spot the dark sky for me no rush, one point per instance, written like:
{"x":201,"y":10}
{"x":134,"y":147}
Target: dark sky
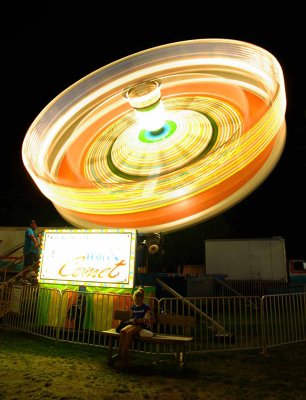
{"x":47,"y":48}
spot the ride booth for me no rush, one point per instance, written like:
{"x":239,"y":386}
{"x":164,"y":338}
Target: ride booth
{"x":84,"y":275}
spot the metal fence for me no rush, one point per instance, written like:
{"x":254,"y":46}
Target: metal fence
{"x":223,"y":323}
{"x":230,"y":287}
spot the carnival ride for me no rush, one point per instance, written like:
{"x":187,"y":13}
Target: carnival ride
{"x":162,"y":139}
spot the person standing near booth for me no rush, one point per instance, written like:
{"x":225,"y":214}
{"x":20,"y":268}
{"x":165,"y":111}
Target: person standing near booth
{"x":31,"y":245}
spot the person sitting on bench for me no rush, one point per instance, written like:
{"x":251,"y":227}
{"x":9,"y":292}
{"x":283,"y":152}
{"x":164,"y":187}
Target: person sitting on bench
{"x":141,"y":318}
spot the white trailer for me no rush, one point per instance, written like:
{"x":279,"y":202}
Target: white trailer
{"x":247,"y":259}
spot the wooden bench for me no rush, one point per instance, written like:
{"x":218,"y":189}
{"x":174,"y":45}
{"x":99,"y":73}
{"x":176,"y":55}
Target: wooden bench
{"x":164,"y":321}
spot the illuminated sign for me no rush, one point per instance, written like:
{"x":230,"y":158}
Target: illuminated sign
{"x":104,"y":257}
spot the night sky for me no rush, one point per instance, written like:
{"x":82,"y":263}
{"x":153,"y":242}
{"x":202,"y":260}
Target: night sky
{"x":46,"y":49}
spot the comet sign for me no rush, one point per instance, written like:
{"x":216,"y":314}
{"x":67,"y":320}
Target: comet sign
{"x":104,"y":257}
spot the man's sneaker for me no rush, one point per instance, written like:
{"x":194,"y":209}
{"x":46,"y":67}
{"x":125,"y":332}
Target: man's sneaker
{"x":31,"y":274}
{"x":24,"y":282}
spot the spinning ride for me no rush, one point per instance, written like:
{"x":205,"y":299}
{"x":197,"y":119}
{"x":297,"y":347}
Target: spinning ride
{"x":162,"y":139}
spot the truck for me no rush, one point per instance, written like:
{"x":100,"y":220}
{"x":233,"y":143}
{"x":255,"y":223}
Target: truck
{"x":247,"y":259}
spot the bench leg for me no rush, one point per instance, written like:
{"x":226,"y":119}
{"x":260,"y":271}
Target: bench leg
{"x":157,"y":354}
{"x":110,"y":351}
{"x":181,"y":355}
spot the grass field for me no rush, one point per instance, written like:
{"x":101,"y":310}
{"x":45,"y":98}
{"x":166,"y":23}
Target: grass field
{"x":36,"y":368}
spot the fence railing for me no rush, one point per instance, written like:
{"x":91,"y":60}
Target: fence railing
{"x":259,"y":288}
{"x":223,"y":323}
